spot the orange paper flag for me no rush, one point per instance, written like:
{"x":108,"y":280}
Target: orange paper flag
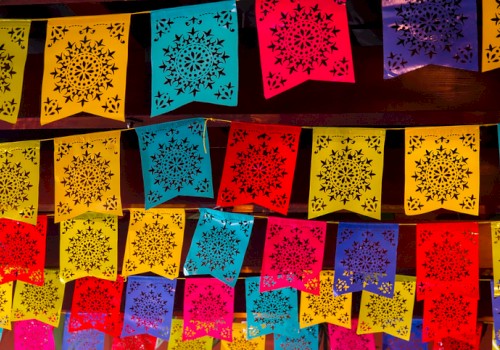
{"x":85,"y":67}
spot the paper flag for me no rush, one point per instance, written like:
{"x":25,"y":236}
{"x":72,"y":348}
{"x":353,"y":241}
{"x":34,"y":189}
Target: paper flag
{"x":19,"y":177}
{"x":33,"y":335}
{"x":442,"y":169}
{"x":448,"y":313}
{"x":176,"y":342}
{"x":85,"y":339}
{"x":346,"y":171}
{"x":495,"y":248}
{"x":391,"y":315}
{"x":22,"y":250}
{"x":342,"y":338}
{"x":96,"y":305}
{"x":175,"y":159}
{"x":293,"y":254}
{"x":495,"y":302}
{"x":303,"y":40}
{"x":208,"y":309}
{"x":139,"y":342}
{"x":240,"y":340}
{"x":301,"y":338}
{"x":421,"y":32}
{"x":154,"y":242}
{"x":89,"y":247}
{"x":454,"y":344}
{"x":5,"y":306}
{"x":41,"y":303}
{"x":87,"y":175}
{"x":219,"y":245}
{"x":13,"y":53}
{"x":85,"y":67}
{"x":365,"y":258}
{"x":491,"y":40}
{"x":259,"y":166}
{"x":325,"y":307}
{"x":194,"y":56}
{"x":415,"y":343}
{"x":270,"y":312}
{"x":149,"y":305}
{"x":448,"y":256}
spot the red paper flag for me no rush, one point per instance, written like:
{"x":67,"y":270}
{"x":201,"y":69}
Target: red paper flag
{"x":293,"y":254}
{"x":448,"y":254}
{"x":302,"y":40}
{"x":134,"y":342}
{"x":22,"y":251}
{"x":96,"y":305}
{"x":259,"y":166}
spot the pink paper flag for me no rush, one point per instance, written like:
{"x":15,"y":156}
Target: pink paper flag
{"x":33,"y":335}
{"x":293,"y":254}
{"x":303,"y":40}
{"x":342,"y":338}
{"x":208,"y":309}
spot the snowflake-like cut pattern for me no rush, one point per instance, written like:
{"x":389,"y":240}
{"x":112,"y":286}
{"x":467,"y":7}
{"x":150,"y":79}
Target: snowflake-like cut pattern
{"x":141,"y":342}
{"x":84,"y":71}
{"x":304,"y":39}
{"x":390,"y":342}
{"x":325,"y":307}
{"x":344,"y":338}
{"x":302,"y":338}
{"x":33,"y":335}
{"x":219,"y":245}
{"x":367,"y":259}
{"x":177,"y":343}
{"x":429,"y":27}
{"x":149,"y":306}
{"x":269,"y":312}
{"x":7,"y":72}
{"x":293,"y":254}
{"x":208,"y":309}
{"x":15,"y":184}
{"x":449,"y":314}
{"x":442,"y":174}
{"x":447,"y":254}
{"x":240,"y":341}
{"x":154,"y":244}
{"x":84,"y":339}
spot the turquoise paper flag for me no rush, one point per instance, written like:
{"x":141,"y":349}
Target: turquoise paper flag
{"x":175,"y":161}
{"x":194,"y":56}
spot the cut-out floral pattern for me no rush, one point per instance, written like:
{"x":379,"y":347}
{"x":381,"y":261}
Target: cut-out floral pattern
{"x":84,"y":339}
{"x":240,"y":340}
{"x":344,"y":338}
{"x":33,"y":335}
{"x":177,"y":343}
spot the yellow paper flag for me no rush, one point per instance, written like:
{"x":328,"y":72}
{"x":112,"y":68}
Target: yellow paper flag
{"x":89,"y":247}
{"x":87,"y":175}
{"x":495,"y":247}
{"x":325,"y":307}
{"x":154,"y":242}
{"x":491,"y":40}
{"x":240,"y":341}
{"x":5,"y":304}
{"x":13,"y":53}
{"x":176,"y":343}
{"x":346,"y":171}
{"x":389,"y":315}
{"x":42,"y":303}
{"x":19,"y":180}
{"x":85,"y":67}
{"x":442,"y":169}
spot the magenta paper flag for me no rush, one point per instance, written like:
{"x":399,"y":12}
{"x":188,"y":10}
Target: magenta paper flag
{"x":208,"y":309}
{"x":342,"y":338}
{"x":302,"y":40}
{"x":33,"y":335}
{"x":293,"y":254}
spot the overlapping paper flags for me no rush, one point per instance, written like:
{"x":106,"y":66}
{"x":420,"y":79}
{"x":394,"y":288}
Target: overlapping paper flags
{"x":194,"y":52}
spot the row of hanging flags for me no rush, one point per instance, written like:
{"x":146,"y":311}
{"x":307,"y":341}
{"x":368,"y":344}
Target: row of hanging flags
{"x":194,"y":51}
{"x":447,"y":279}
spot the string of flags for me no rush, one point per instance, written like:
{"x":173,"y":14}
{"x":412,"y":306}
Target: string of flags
{"x":194,"y":52}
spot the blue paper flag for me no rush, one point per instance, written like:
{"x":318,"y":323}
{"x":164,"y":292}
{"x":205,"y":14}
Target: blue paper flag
{"x":495,"y":302}
{"x":275,"y":311}
{"x":366,"y":258}
{"x":219,"y":245}
{"x":302,"y":338}
{"x":175,"y":160}
{"x":149,"y":305}
{"x":421,"y":32}
{"x":194,"y":56}
{"x":84,"y":339}
{"x":390,"y":342}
